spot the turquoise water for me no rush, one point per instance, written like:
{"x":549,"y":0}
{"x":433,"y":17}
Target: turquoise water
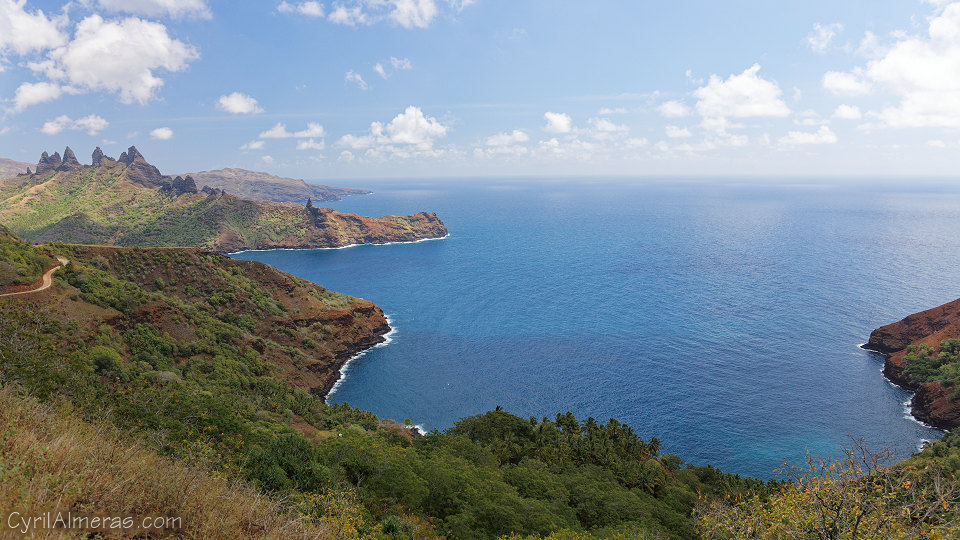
{"x":722,"y":317}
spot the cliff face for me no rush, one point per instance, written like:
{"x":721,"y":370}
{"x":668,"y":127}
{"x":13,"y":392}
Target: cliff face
{"x":128,"y":201}
{"x":932,"y":403}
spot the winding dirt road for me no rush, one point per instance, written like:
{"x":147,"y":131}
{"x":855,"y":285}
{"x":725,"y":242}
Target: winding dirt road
{"x":47,"y":279}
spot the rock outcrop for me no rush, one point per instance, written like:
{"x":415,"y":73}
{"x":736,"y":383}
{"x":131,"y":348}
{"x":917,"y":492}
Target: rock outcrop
{"x":48,"y":163}
{"x":69,"y":162}
{"x":179,"y":186}
{"x":933,"y":402}
{"x":139,"y":171}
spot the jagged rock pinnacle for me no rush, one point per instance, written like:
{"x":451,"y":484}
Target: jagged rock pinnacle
{"x":97,"y":156}
{"x":69,"y":161}
{"x":48,"y":163}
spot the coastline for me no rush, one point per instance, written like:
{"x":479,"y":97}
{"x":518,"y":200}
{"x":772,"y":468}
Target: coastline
{"x":382,"y":341}
{"x":338,"y":247}
{"x":908,"y":404}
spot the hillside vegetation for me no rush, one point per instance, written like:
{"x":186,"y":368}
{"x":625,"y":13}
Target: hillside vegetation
{"x":129,"y":202}
{"x":20,"y":263}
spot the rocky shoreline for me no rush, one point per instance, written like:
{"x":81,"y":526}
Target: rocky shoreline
{"x":932,"y":403}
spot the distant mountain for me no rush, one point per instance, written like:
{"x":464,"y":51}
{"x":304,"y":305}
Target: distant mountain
{"x":127,"y":201}
{"x":9,"y":167}
{"x":263,"y":186}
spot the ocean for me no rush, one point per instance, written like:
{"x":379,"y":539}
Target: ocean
{"x":722,"y":316}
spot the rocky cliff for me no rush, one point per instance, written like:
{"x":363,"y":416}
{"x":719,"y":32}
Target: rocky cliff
{"x":934,"y":402}
{"x":9,"y":167}
{"x":128,"y":201}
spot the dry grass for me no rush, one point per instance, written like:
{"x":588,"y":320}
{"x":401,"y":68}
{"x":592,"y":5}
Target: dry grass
{"x":50,"y":461}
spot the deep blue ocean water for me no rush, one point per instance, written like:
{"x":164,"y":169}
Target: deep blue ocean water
{"x":720,"y":316}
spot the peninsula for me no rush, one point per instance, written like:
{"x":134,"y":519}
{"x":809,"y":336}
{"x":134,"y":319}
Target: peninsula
{"x":922,"y":355}
{"x":128,"y":202}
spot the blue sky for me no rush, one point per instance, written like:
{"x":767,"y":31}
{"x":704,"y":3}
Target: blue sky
{"x":408,"y":88}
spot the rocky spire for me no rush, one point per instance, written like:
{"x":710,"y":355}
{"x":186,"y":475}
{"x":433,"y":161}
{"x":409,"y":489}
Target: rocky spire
{"x":97,"y":156}
{"x":48,"y":163}
{"x":138,"y":170}
{"x":69,"y":161}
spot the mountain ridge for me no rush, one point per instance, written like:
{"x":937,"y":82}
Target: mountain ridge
{"x":258,"y":185}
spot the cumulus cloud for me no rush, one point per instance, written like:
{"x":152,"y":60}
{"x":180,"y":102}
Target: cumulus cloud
{"x":557,"y":122}
{"x":606,"y":126}
{"x":310,"y":144}
{"x":238,"y":103}
{"x":355,"y":78}
{"x":28,"y":94}
{"x":348,"y":16}
{"x":936,"y":143}
{"x":24,"y":32}
{"x":847,"y":112}
{"x":279,"y":131}
{"x":136,"y":50}
{"x":848,"y":84}
{"x":413,"y":13}
{"x":310,"y":9}
{"x":505,"y":139}
{"x":740,"y":96}
{"x":821,"y":36}
{"x":267,"y":159}
{"x":92,"y":124}
{"x":824,"y":135}
{"x":410,"y":133}
{"x":677,"y":132}
{"x":253,"y":145}
{"x":924,"y":72}
{"x":673,"y":109}
{"x":161,"y":134}
{"x":158,"y":8}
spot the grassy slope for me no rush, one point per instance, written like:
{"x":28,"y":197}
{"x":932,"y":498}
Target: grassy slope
{"x":102,"y":205}
{"x":51,"y":460}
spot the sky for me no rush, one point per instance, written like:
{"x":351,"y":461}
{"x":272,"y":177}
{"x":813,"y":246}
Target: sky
{"x":347,"y":89}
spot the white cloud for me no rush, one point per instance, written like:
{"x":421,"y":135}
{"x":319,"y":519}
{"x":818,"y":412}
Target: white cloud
{"x":410,"y":133}
{"x":848,"y":112}
{"x":636,"y":142}
{"x":253,"y":145}
{"x":310,"y":144}
{"x":924,"y":71}
{"x":821,"y":36}
{"x":23,"y":32}
{"x":354,"y":77}
{"x":413,"y":13}
{"x":937,"y":143}
{"x":740,"y":96}
{"x":158,"y":8}
{"x":117,"y":56}
{"x":676,"y":132}
{"x":824,"y":135}
{"x":606,"y":126}
{"x":606,"y":111}
{"x":267,"y":159}
{"x":28,"y":94}
{"x":310,"y":9}
{"x":279,"y":131}
{"x":161,"y":134}
{"x":378,"y":67}
{"x":506,"y":139}
{"x":92,"y":124}
{"x":400,"y":63}
{"x":557,"y":123}
{"x":673,"y":109}
{"x":849,"y":84}
{"x":238,"y":103}
{"x":347,"y":16}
